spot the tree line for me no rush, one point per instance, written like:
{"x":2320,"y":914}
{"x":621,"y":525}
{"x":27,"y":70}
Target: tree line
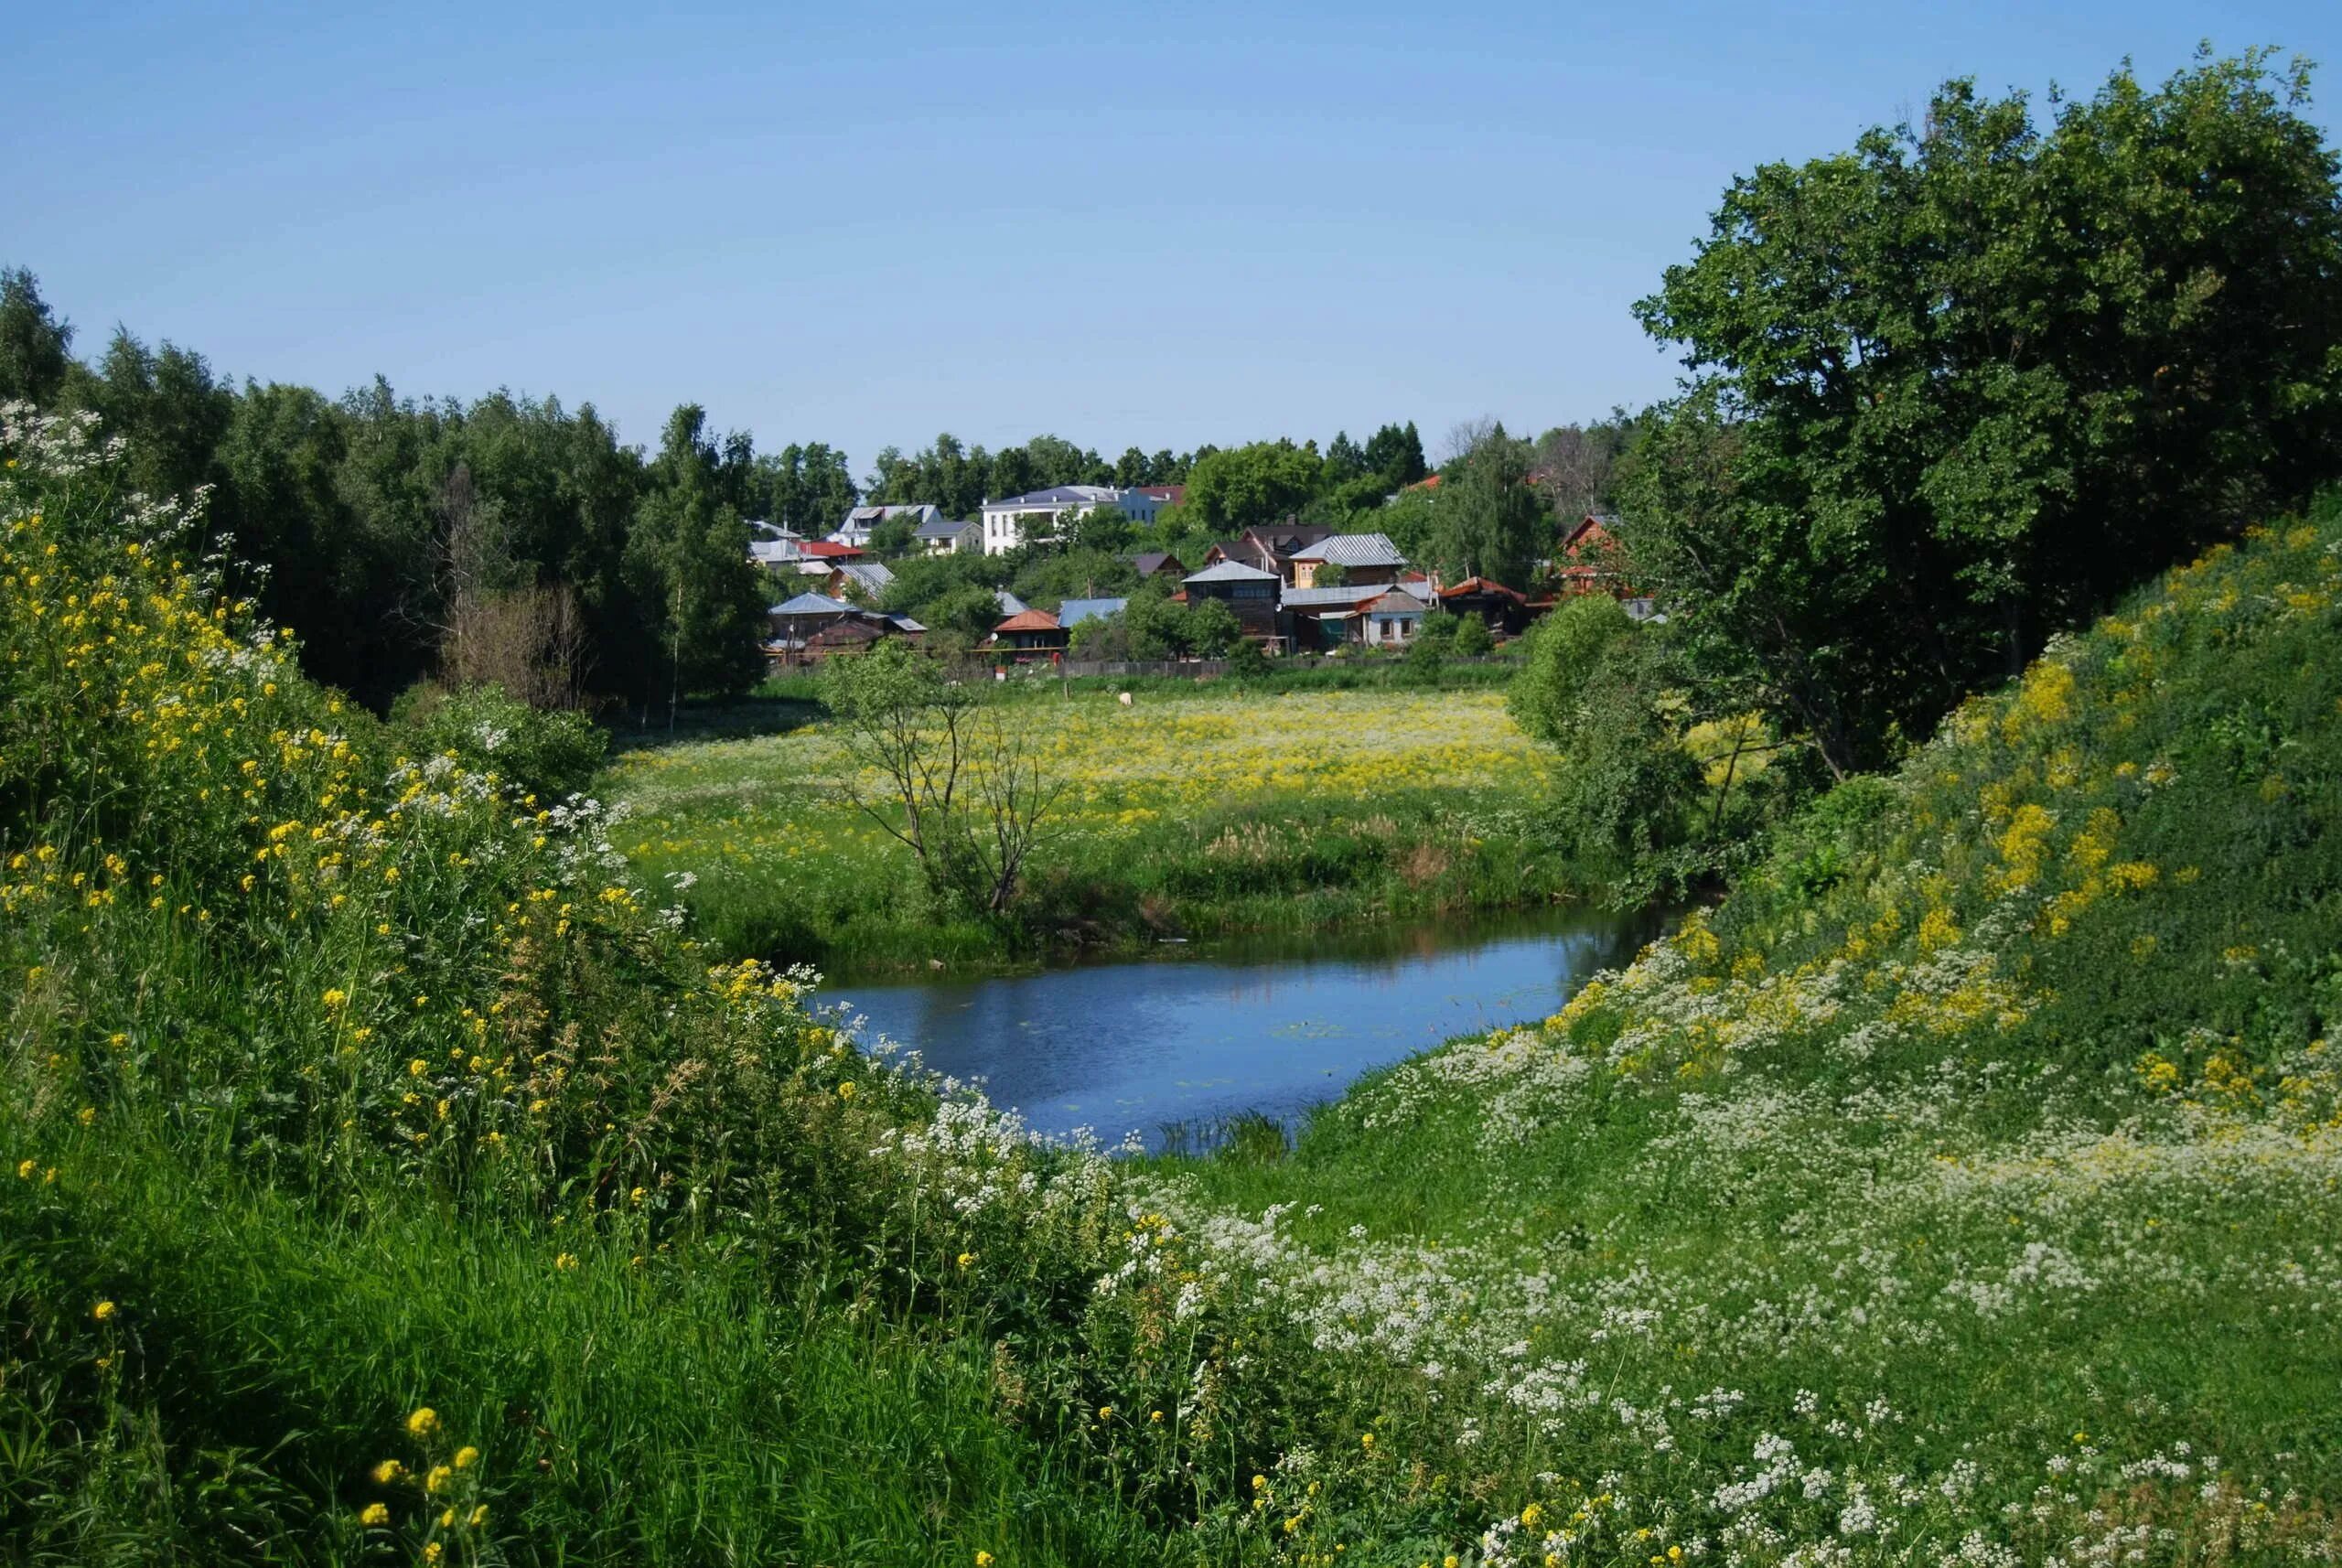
{"x":518,"y":541}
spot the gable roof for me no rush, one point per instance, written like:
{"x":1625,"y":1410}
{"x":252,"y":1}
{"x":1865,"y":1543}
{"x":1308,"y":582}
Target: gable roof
{"x":1398,"y":602}
{"x":1150,"y":562}
{"x":1353,"y":550}
{"x":1348,"y":594}
{"x":1028,"y":620}
{"x":811,"y":605}
{"x":869,"y":514}
{"x":942,"y":527}
{"x":1073,"y":612}
{"x":1482,"y":586}
{"x":1010,"y":605}
{"x":1231,"y":572}
{"x":827,"y":550}
{"x":871,"y":575}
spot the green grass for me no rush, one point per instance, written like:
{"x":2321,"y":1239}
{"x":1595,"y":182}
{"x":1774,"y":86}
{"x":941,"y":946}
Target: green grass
{"x":1911,"y":1205}
{"x":1213,"y":814}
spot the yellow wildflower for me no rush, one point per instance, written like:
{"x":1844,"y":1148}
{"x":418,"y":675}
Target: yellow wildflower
{"x":374,"y":1514}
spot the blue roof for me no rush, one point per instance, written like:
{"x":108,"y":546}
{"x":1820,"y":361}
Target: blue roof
{"x":1073,"y":612}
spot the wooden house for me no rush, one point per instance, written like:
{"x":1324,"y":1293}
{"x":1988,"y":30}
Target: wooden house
{"x":1029,"y":634}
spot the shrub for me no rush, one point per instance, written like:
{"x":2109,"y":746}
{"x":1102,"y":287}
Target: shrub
{"x":552,"y":754}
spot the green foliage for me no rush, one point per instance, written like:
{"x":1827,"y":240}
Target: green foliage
{"x":1472,"y":638}
{"x":1563,"y":652}
{"x":551,"y":755}
{"x":1961,"y":385}
{"x":35,"y":348}
{"x":687,"y":560}
{"x":1490,"y":521}
{"x":1246,"y":485}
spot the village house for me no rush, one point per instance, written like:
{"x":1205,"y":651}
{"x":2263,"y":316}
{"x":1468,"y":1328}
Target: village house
{"x":1248,"y":591}
{"x":1029,"y":634}
{"x":1393,"y":619}
{"x":1362,"y":558}
{"x":1326,"y":618}
{"x":943,"y":536}
{"x":814,"y":626}
{"x":773,"y":547}
{"x":862,"y":579}
{"x":861,"y":520}
{"x":1269,"y":549}
{"x":1505,"y":611}
{"x":1155,"y":563}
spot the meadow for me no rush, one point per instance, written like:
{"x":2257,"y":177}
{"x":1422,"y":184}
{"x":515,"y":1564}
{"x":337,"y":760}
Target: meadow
{"x":1186,"y":815}
{"x":388,"y":1176}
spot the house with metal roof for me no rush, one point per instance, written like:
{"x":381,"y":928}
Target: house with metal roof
{"x":1248,"y":591}
{"x":1271,"y":549}
{"x":1362,"y":558}
{"x":1073,"y":612}
{"x":944,"y":536}
{"x":860,"y":520}
{"x":1030,"y":632}
{"x":867,"y":578}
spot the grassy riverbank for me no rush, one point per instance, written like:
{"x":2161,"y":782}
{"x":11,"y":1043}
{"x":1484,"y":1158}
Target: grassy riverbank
{"x":1212,"y":812}
{"x":385,"y":1178}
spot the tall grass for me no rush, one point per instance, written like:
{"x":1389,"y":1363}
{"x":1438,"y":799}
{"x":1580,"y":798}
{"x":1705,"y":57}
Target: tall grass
{"x":384,"y":1178}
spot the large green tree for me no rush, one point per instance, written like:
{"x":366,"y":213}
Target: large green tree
{"x":1956,"y":388}
{"x":35,"y":348}
{"x":1491,"y":520}
{"x":689,"y":558}
{"x":1246,"y":485}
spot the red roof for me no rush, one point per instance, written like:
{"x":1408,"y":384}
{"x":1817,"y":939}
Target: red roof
{"x":1482,"y":586}
{"x":1028,"y":620}
{"x":826,"y":551}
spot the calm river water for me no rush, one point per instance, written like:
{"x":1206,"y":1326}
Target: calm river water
{"x":1268,"y":1024}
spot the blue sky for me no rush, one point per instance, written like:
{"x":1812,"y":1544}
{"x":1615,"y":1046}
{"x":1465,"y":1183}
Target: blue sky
{"x":1161,"y":226}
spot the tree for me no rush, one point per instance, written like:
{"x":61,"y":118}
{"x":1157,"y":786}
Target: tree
{"x":1397,"y":454}
{"x":964,"y":793}
{"x":893,"y":535}
{"x":35,"y":348}
{"x":1491,"y":521}
{"x":1344,"y":460}
{"x":1959,"y":387}
{"x":1248,"y":485}
{"x":1560,"y":655}
{"x":1103,"y":528}
{"x":1473,"y":638}
{"x":689,"y":555}
{"x":1213,"y":629}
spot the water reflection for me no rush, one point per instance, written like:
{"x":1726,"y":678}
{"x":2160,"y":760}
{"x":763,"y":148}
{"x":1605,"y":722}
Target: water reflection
{"x":1273,"y":1024}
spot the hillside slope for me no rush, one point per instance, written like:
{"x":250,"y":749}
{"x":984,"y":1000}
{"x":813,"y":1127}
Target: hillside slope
{"x":1962,"y":1188}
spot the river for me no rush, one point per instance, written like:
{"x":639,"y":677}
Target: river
{"x":1272,"y":1025}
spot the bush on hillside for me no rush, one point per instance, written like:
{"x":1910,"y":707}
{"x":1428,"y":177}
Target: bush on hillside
{"x":552,"y":753}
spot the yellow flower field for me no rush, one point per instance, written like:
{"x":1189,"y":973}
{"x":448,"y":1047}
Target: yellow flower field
{"x":771,"y":813}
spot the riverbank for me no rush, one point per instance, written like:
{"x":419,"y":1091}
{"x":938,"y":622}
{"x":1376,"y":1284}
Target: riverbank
{"x":1198,"y":818}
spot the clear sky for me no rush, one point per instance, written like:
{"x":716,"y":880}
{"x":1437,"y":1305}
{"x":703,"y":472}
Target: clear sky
{"x":1158,"y":226}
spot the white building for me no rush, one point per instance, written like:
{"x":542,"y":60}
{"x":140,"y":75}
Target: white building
{"x":859,"y":522}
{"x":1005,"y":524}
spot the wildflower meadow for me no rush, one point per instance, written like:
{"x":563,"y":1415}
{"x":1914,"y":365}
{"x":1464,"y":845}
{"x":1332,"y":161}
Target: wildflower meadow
{"x":1187,"y":815}
{"x":392,"y":1172}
